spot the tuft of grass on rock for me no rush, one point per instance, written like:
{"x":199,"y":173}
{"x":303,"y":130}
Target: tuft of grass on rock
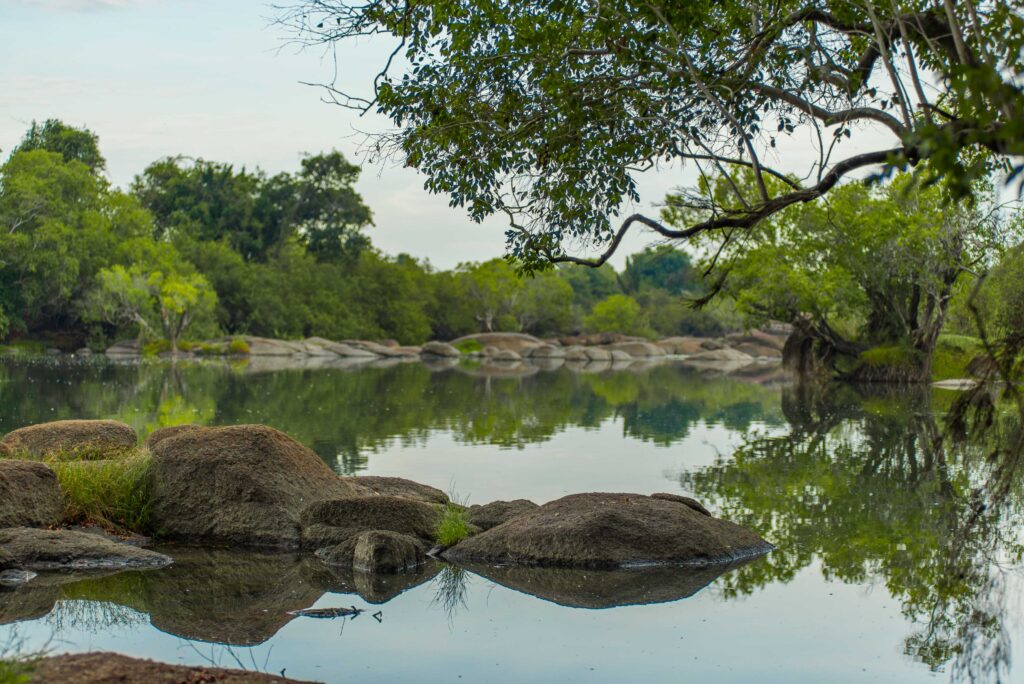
{"x":453,"y":527}
{"x":102,"y":487}
{"x":109,"y":493}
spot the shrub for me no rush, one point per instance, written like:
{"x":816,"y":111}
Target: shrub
{"x":894,"y":355}
{"x":952,"y":356}
{"x":469,"y":346}
{"x":156,"y":347}
{"x":617,"y":313}
{"x":238,"y":346}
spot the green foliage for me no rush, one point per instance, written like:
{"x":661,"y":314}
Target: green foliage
{"x":255,"y":214}
{"x":73,"y":144}
{"x":106,"y":487}
{"x":15,"y":671}
{"x":453,"y":527}
{"x":238,"y":346}
{"x":618,"y":313}
{"x":155,"y":302}
{"x":893,"y":355}
{"x":953,"y":354}
{"x":469,"y":346}
{"x":874,"y":265}
{"x":663,"y":267}
{"x":201,"y":250}
{"x":545,"y":112}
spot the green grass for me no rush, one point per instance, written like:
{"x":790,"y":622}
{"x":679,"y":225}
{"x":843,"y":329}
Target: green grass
{"x":894,"y":355}
{"x":15,"y":671}
{"x":15,"y":665}
{"x":23,"y":347}
{"x":111,"y":493}
{"x":952,"y":355}
{"x":469,"y":346}
{"x":453,"y":527}
{"x":107,"y":488}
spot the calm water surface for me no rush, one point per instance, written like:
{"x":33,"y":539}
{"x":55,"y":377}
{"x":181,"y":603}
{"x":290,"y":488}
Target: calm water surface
{"x":887,"y":569}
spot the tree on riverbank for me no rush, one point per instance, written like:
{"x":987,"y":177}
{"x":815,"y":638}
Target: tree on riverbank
{"x":866,"y":277}
{"x":544,"y":112}
{"x":201,"y":248}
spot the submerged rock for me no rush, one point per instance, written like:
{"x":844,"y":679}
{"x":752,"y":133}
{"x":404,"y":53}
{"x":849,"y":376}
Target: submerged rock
{"x":609,"y":531}
{"x":381,"y":551}
{"x":376,"y":551}
{"x":398,"y":486}
{"x":70,"y":435}
{"x":334,"y":521}
{"x":497,"y":512}
{"x":241,"y":485}
{"x":29,"y":496}
{"x":105,"y":668}
{"x":32,"y":549}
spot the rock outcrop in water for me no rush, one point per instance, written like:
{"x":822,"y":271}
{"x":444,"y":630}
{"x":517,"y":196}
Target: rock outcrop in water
{"x":335,"y":521}
{"x":35,"y":549}
{"x":497,"y":512}
{"x":254,"y":486}
{"x":29,"y":495}
{"x":376,"y":552}
{"x":71,"y":436}
{"x":502,"y":353}
{"x":610,"y":531}
{"x":241,"y":485}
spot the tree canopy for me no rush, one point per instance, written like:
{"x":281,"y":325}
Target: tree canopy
{"x":545,"y":111}
{"x":200,"y":248}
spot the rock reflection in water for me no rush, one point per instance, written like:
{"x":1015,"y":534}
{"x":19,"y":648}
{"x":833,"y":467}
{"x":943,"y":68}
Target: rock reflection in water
{"x":218,"y":596}
{"x":606,"y":588}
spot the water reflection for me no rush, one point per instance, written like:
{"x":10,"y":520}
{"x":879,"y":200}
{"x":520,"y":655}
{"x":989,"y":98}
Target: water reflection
{"x":865,"y":488}
{"x":244,"y":598}
{"x":868,"y":484}
{"x":346,"y":414}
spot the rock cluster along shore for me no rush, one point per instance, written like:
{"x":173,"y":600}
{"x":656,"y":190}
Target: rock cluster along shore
{"x":508,"y":350}
{"x":251,"y":486}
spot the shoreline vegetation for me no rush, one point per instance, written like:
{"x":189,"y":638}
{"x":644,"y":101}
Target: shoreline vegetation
{"x":203,"y":259}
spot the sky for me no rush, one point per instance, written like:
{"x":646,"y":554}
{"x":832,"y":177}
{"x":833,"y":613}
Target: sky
{"x":215,"y":79}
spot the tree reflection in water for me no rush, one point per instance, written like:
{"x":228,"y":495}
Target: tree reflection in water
{"x":870,"y":484}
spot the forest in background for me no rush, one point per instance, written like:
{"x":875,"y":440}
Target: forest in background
{"x":195,"y":249}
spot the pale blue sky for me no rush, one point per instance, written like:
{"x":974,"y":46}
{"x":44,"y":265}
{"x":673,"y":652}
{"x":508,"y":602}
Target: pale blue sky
{"x":215,"y":80}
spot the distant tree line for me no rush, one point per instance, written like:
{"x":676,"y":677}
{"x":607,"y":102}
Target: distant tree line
{"x":196,"y":249}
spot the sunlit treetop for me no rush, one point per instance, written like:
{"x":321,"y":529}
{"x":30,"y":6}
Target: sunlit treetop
{"x":545,"y":111}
